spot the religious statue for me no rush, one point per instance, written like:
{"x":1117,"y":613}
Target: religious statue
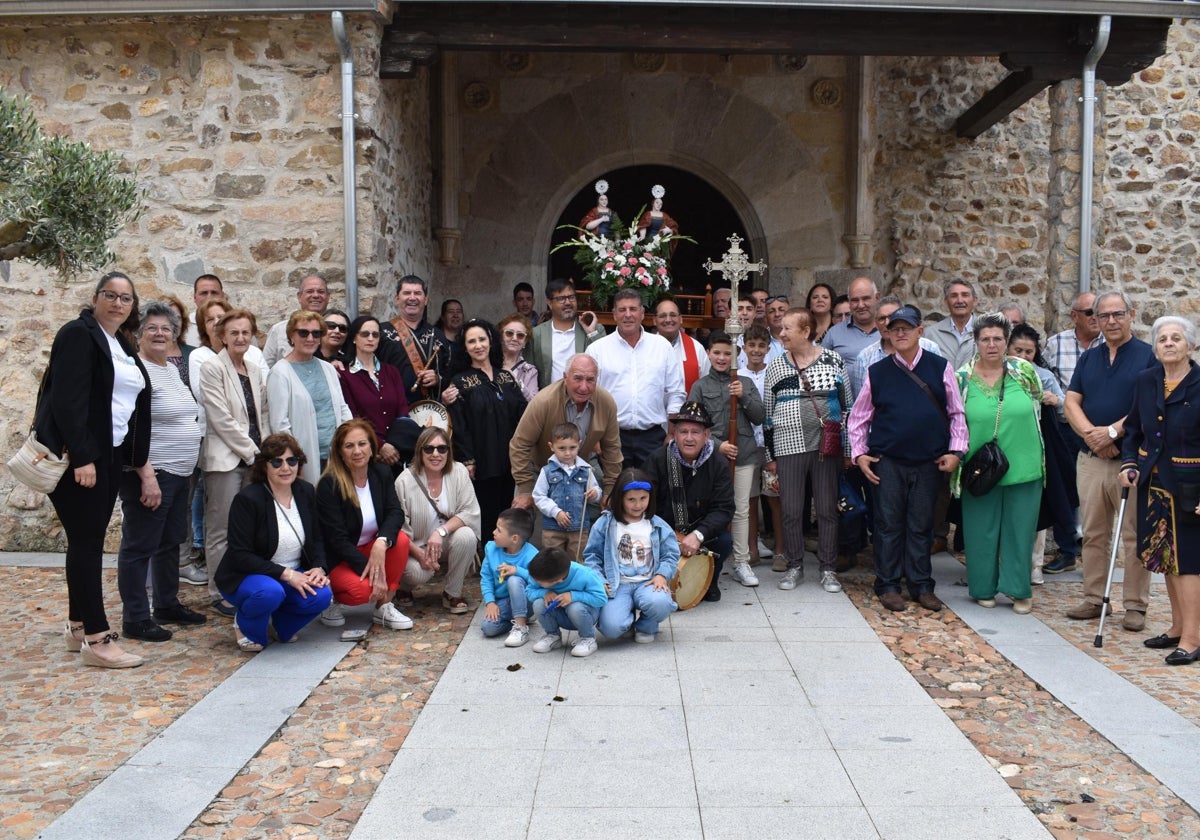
{"x":598,"y":220}
{"x":655,"y":221}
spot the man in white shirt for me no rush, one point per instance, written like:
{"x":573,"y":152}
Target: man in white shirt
{"x":312,"y":296}
{"x":644,"y":376}
{"x":955,"y":335}
{"x":205,"y":287}
{"x":693,"y":360}
{"x":554,"y":341}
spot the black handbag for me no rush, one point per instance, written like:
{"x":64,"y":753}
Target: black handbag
{"x":988,"y":465}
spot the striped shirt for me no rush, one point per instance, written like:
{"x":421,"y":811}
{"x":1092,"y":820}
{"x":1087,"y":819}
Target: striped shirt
{"x":1062,"y":354}
{"x":175,"y":430}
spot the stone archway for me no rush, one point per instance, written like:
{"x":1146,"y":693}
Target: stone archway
{"x":516,"y":185}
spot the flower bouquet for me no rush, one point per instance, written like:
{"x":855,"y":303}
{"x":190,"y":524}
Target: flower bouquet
{"x":626,"y":260}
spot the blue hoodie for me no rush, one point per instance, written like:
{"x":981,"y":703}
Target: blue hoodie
{"x":489,"y":574}
{"x":601,"y":551}
{"x":584,"y":585}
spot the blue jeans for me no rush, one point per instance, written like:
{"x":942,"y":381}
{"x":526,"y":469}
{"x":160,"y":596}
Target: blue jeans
{"x":515,"y":604}
{"x":151,"y":538}
{"x":261,"y":599}
{"x":617,"y":616}
{"x":574,"y":616}
{"x":904,"y":524}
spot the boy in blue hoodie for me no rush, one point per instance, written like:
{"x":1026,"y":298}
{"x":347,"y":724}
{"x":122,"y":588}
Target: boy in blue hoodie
{"x":565,"y":596}
{"x":506,"y":607}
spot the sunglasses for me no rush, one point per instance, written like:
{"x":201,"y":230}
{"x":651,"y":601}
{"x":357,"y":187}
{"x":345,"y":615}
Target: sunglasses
{"x":334,"y":326}
{"x":515,"y":334}
{"x":778,"y":299}
{"x":310,"y":333}
{"x":368,"y":333}
{"x":1087,"y":313}
{"x":439,"y":448}
{"x":292,"y":461}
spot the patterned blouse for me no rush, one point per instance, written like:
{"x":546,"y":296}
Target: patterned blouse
{"x":795,"y":413}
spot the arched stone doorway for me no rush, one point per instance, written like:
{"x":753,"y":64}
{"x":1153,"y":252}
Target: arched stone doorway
{"x":701,"y":210}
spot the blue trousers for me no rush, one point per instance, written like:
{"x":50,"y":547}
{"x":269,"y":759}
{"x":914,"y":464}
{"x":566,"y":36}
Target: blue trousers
{"x":574,"y":616}
{"x":151,"y":538}
{"x":263,"y":600}
{"x":650,"y":605}
{"x":515,"y":604}
{"x":904,"y":524}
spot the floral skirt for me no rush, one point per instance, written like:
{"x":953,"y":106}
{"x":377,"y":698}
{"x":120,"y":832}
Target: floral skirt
{"x":1167,"y":542}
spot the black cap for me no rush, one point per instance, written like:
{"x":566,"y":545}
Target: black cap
{"x":693,"y":412}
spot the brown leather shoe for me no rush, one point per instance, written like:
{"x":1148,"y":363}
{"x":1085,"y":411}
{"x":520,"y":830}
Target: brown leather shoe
{"x":893,"y":601}
{"x":939,"y":545}
{"x":1134,"y":620}
{"x":1084,"y":612}
{"x":930,"y":601}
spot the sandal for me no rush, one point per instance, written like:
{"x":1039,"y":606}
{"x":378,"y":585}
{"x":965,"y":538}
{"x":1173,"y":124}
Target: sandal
{"x":75,"y":642}
{"x":247,"y":645}
{"x":456,"y":604}
{"x":88,"y":655}
{"x":403,"y":598}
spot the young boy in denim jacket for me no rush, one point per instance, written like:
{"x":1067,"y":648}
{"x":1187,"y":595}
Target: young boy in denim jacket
{"x":564,"y":487}
{"x":506,"y":607}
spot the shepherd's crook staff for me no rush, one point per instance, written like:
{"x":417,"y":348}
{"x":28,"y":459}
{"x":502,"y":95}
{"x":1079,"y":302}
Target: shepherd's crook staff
{"x":734,"y":267}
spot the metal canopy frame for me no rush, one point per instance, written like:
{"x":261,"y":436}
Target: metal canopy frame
{"x":1133,"y":8}
{"x":121,"y":8}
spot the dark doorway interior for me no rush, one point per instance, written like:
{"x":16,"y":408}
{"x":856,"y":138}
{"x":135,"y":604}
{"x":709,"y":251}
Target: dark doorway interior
{"x":701,"y":212}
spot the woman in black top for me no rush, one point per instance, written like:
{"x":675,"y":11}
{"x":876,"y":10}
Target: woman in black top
{"x":96,"y":409}
{"x":485,"y":417}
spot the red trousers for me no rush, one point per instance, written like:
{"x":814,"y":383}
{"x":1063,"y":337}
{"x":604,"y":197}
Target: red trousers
{"x":352,"y":590}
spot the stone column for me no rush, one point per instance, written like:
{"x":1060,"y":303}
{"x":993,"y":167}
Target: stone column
{"x":448,"y":232}
{"x":858,"y":163}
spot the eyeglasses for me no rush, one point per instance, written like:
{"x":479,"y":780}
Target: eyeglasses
{"x":113,"y":297}
{"x":563,"y":298}
{"x":1087,"y":313}
{"x":439,"y":448}
{"x":291,"y":460}
{"x":334,"y":326}
{"x":1112,"y":316}
{"x":901,"y":330}
{"x":515,"y":334}
{"x":778,"y":299}
{"x":368,"y":333}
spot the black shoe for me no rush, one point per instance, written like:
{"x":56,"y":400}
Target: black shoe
{"x":1061,"y":563}
{"x":713,"y":594}
{"x":224,"y":607}
{"x":147,"y":631}
{"x":179,"y":614}
{"x":1182,"y":657}
{"x":1161,"y":642}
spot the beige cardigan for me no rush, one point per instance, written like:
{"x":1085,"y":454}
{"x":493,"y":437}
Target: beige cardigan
{"x":458,"y":499}
{"x":227,"y":440}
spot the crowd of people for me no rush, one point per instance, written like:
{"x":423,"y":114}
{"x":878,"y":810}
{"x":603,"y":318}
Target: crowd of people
{"x":353,"y":459}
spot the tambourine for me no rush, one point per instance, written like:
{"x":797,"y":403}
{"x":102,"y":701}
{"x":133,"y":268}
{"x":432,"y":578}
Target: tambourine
{"x":693,"y":578}
{"x":430,"y":413}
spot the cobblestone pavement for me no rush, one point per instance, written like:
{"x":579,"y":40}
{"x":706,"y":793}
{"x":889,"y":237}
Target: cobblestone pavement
{"x":66,"y":726}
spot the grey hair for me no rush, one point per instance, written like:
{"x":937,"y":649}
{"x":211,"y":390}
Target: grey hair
{"x":1189,"y":329}
{"x":992,"y":319}
{"x":1124,"y":300}
{"x":888,"y":299}
{"x":160,"y":308}
{"x":1010,"y":306}
{"x":957,"y":281}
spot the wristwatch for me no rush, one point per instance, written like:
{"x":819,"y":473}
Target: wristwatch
{"x":1112,"y":433}
{"x":386,"y":541}
{"x":443,"y":533}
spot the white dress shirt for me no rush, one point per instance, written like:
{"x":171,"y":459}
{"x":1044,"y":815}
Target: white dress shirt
{"x":645,"y":379}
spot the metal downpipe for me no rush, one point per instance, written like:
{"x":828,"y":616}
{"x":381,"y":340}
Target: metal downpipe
{"x":1087,"y":142}
{"x":350,"y":227}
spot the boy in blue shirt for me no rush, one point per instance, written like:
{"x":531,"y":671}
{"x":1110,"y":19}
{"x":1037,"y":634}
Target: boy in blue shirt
{"x":506,"y":607}
{"x":562,"y":492}
{"x":565,"y":596}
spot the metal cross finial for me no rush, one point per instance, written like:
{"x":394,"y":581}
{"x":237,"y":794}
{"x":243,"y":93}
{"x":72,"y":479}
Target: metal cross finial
{"x":734,"y":267}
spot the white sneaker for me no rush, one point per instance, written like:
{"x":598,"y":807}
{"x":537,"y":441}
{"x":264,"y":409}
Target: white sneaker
{"x":829,"y":582}
{"x":791,"y":578}
{"x":584,"y":647}
{"x":517,"y":636}
{"x":743,"y":574}
{"x":332,"y":617}
{"x":193,"y":574}
{"x":764,"y":550}
{"x":548,"y":643}
{"x":643,"y":638}
{"x":390,"y":617}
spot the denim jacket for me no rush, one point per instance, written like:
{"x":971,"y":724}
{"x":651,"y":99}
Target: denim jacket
{"x":564,"y":488}
{"x":601,"y":551}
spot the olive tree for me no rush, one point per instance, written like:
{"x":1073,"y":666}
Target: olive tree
{"x":61,"y":202}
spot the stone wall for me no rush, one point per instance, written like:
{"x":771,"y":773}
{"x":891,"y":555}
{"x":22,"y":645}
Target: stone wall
{"x":233,"y":126}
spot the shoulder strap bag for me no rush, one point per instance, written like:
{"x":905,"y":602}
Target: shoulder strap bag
{"x":988,"y":465}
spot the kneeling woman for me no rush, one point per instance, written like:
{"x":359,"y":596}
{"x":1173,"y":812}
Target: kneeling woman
{"x":274,"y":569}
{"x":636,"y":554}
{"x":361,"y":520}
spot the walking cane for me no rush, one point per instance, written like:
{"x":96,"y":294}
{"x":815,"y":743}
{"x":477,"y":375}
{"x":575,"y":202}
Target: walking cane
{"x":1105,"y":607}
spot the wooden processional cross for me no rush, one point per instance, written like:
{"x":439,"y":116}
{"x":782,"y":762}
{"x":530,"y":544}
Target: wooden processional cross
{"x":734,"y":267}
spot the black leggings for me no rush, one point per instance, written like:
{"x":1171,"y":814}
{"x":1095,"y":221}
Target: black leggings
{"x":85,"y":513}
